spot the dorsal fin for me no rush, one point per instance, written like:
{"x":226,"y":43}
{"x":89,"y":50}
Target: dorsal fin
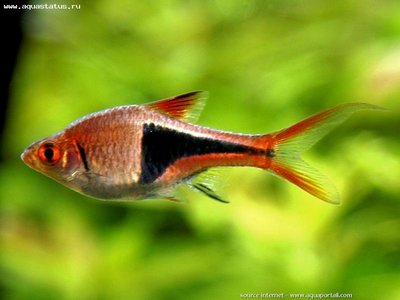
{"x":186,"y":107}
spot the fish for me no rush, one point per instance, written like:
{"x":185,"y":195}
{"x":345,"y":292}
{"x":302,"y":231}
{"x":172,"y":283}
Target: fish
{"x":137,"y":152}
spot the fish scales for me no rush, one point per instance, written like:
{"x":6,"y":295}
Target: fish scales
{"x":110,"y":139}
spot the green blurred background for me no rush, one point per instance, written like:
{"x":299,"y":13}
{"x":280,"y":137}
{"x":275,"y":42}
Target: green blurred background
{"x":266,"y":65}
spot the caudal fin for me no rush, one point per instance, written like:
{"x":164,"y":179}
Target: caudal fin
{"x":291,"y":142}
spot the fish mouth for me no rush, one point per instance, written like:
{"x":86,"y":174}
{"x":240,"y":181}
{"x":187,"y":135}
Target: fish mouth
{"x":26,"y":156}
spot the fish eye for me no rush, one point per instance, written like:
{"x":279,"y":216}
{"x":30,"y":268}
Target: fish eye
{"x":49,"y":154}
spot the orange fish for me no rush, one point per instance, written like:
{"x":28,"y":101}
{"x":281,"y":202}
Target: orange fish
{"x":145,"y":151}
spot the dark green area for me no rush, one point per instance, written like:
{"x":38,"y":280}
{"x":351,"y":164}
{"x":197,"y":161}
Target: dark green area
{"x":266,"y":65}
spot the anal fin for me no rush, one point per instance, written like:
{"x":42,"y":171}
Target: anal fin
{"x":208,"y":192}
{"x":209,"y":183}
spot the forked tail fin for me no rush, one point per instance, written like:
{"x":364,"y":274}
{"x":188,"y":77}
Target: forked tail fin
{"x":291,"y":142}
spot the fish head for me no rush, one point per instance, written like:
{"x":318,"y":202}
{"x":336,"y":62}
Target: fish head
{"x":56,"y":157}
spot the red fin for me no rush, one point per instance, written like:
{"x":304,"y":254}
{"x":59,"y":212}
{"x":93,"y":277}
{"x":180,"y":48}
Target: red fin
{"x":288,"y":144}
{"x":186,"y":107}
